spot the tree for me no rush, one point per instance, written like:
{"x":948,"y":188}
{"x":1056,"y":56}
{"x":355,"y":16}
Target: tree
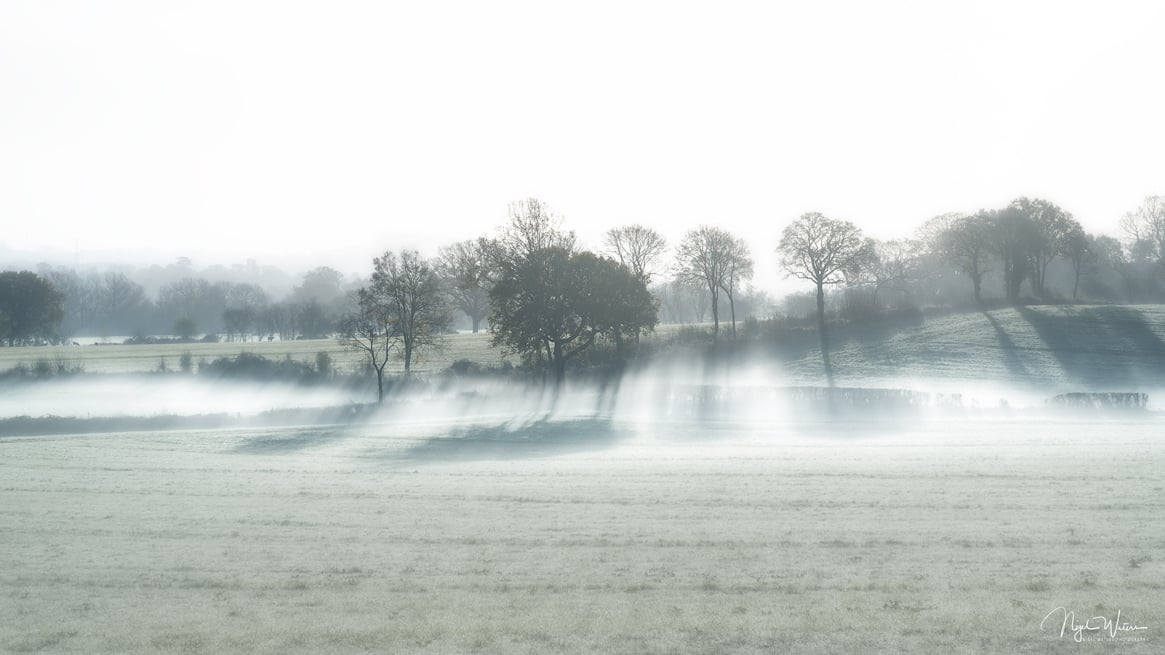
{"x":369,"y":331}
{"x":1013,"y":234}
{"x":1078,"y":248}
{"x":636,"y":247}
{"x":705,"y":258}
{"x":411,"y":293}
{"x":1147,"y":224}
{"x":466,"y":269}
{"x":1048,"y":232}
{"x":738,"y":270}
{"x":966,"y":242}
{"x":820,"y":250}
{"x":30,"y":308}
{"x":532,"y":228}
{"x":886,"y":264}
{"x":554,"y":304}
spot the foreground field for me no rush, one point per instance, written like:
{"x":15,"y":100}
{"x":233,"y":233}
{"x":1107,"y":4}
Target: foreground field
{"x":583,"y":535}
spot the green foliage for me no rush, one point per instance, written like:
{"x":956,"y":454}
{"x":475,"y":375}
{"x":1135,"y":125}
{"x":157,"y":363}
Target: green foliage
{"x":31,"y":309}
{"x":554,"y":304}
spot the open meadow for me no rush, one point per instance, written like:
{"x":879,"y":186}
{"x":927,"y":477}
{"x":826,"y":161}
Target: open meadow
{"x":691,"y":506}
{"x":587,"y":535}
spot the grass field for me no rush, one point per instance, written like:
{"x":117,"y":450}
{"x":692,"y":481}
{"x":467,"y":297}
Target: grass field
{"x":143,"y":358}
{"x":473,"y":522}
{"x":584,"y":536}
{"x":1075,"y":347}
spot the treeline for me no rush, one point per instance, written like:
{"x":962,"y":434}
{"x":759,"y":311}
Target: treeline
{"x":191,"y":307}
{"x":1029,"y":250}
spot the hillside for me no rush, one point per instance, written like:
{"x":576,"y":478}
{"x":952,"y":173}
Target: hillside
{"x":1042,"y":348}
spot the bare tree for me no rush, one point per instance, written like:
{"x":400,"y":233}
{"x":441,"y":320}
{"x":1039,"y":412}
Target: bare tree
{"x":465,"y":266}
{"x":704,"y":257}
{"x":820,"y":250}
{"x":409,"y":289}
{"x":887,"y":264}
{"x":739,"y":270}
{"x":369,"y":330}
{"x":1147,"y":223}
{"x":636,"y":247}
{"x":532,"y":227}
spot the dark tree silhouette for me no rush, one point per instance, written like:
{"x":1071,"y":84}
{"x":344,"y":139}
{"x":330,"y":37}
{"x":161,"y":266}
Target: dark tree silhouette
{"x":1013,"y":237}
{"x":30,"y":308}
{"x":739,"y":269}
{"x":820,"y":250}
{"x":966,"y":242}
{"x":554,"y":304}
{"x":369,"y":331}
{"x":411,"y":293}
{"x":1050,"y":227}
{"x":705,"y":257}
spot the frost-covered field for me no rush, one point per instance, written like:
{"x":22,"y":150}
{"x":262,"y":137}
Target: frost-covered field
{"x":583,"y":535}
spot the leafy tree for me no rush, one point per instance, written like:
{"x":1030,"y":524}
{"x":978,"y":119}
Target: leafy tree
{"x":636,"y":247}
{"x":1078,"y":248}
{"x":409,"y":289}
{"x":966,"y":242}
{"x":30,"y":308}
{"x":820,"y":250}
{"x":185,"y":328}
{"x":1049,"y":229}
{"x":1014,"y":238}
{"x":554,"y":304}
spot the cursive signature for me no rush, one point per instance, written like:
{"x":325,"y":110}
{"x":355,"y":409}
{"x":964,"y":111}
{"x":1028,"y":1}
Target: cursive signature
{"x":1102,"y":624}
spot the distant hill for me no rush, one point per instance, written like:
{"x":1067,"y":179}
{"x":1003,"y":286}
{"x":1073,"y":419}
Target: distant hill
{"x":1041,"y":348}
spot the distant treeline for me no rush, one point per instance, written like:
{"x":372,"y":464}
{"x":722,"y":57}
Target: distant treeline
{"x":1029,"y":250}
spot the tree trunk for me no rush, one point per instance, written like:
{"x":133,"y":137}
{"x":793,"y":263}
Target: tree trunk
{"x":715,"y":316}
{"x":977,"y":280}
{"x":732,"y":310}
{"x":559,"y":367}
{"x":380,"y":385}
{"x":821,"y":308}
{"x":476,"y":323}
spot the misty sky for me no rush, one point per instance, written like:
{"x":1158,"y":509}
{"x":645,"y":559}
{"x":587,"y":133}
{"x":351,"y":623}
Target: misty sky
{"x":323,"y":133}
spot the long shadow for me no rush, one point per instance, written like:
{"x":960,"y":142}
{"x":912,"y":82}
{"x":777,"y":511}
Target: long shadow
{"x":285,"y":442}
{"x":543,"y":438}
{"x":1100,"y":346}
{"x":1011,"y":357}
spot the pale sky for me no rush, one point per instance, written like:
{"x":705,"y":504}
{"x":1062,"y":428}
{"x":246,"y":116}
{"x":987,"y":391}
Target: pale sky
{"x":303,"y":134}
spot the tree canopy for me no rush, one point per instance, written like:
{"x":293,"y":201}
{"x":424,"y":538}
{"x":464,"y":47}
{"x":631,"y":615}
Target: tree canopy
{"x":555,"y":304}
{"x":30,"y":308}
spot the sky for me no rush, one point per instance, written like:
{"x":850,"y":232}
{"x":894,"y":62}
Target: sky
{"x":303,"y":134}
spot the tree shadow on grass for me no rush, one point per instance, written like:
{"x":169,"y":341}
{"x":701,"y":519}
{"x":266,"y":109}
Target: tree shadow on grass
{"x":1100,"y":346}
{"x":543,"y":438}
{"x":1007,"y":347}
{"x":285,"y":442}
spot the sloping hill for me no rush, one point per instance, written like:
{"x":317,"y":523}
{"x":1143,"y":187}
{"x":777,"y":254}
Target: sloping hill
{"x":1045,"y":348}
